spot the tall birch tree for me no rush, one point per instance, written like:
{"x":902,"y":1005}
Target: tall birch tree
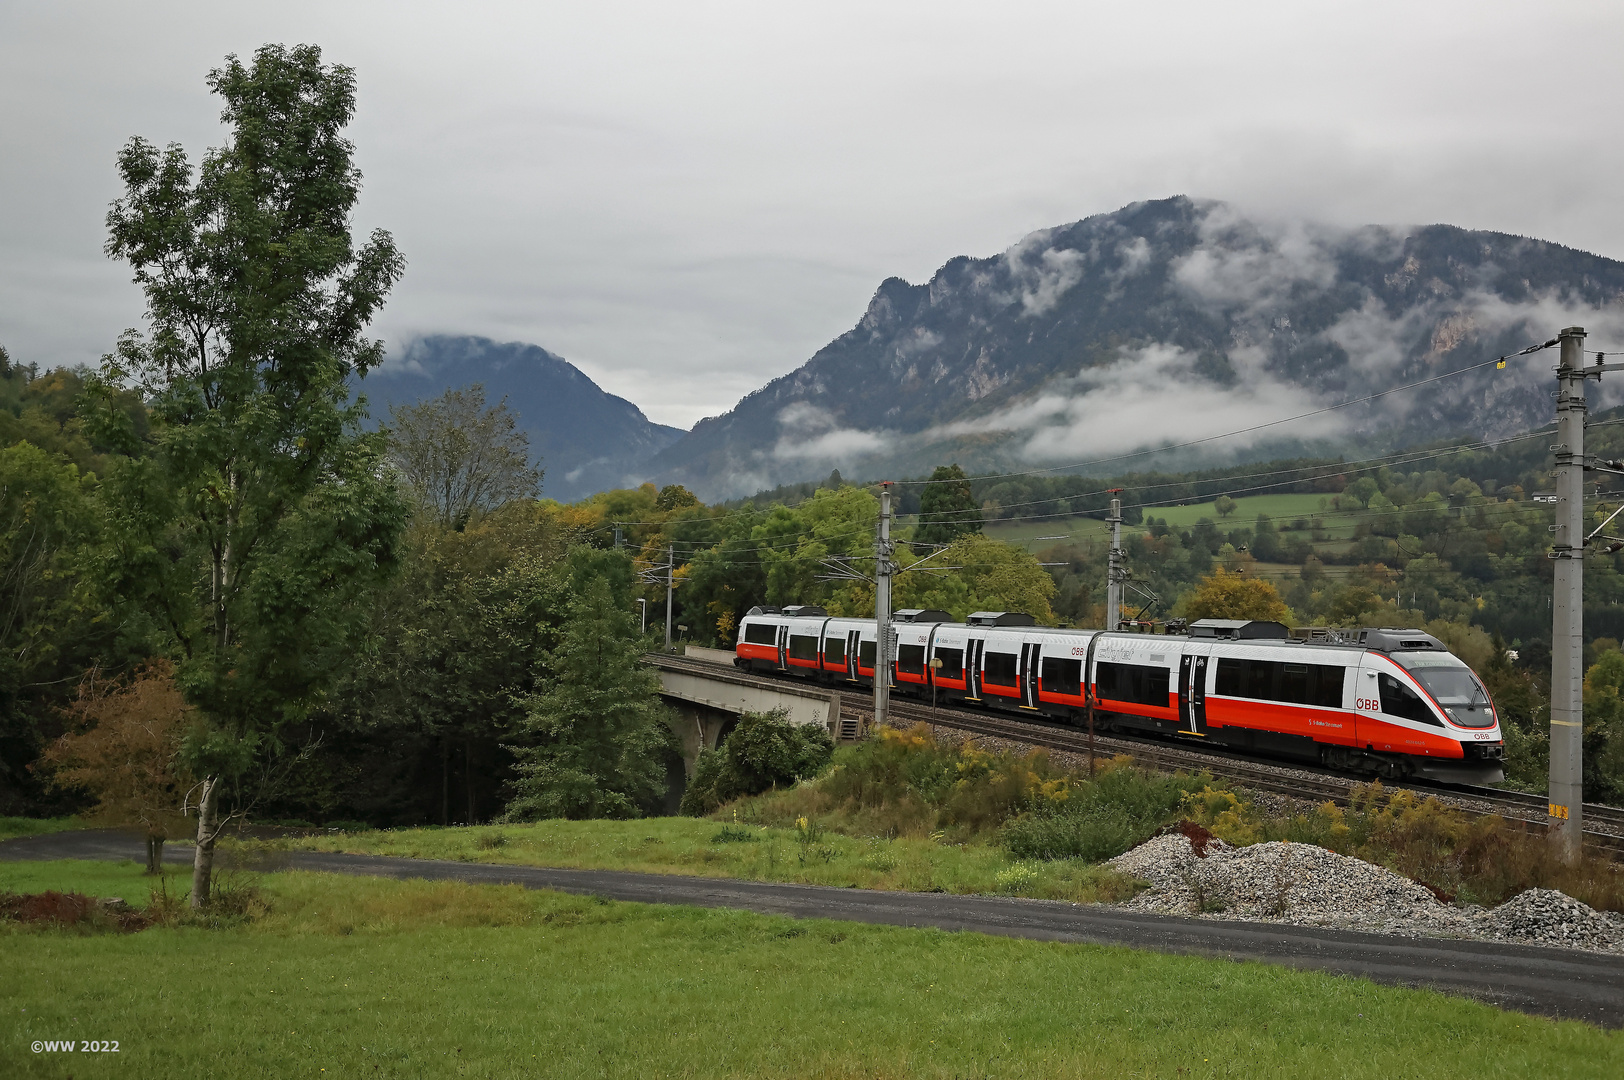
{"x":258,"y":511}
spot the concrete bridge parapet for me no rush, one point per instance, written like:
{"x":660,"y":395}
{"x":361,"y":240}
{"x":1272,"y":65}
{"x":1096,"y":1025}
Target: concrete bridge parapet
{"x":710,"y":695}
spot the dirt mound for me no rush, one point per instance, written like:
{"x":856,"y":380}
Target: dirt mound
{"x":71,"y":909}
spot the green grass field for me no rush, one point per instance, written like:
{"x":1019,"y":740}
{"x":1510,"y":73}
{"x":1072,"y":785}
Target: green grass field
{"x":359,"y":977}
{"x":22,"y":826}
{"x":688,"y":846}
{"x":1282,"y":509}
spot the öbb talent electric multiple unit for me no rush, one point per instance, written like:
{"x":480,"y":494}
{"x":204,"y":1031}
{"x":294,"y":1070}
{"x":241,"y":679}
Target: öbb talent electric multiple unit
{"x":1390,"y":702}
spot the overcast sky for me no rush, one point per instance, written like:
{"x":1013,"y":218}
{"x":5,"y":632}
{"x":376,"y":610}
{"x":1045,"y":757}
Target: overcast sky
{"x":687,"y":199}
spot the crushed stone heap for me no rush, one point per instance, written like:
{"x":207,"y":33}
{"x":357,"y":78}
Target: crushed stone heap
{"x":1310,"y":886}
{"x":1548,"y":917}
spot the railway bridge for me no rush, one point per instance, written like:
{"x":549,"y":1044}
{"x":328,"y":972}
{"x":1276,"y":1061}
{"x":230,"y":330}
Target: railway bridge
{"x":709,"y":693}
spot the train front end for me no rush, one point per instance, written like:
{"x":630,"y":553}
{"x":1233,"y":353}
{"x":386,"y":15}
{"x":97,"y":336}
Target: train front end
{"x":1433,"y":708}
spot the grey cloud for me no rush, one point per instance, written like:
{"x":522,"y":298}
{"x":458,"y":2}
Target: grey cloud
{"x":690,"y":201}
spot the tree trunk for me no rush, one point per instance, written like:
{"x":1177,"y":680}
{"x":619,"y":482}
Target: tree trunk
{"x":445,"y":780}
{"x":203,"y":861}
{"x":468,"y":777}
{"x":155,"y":853}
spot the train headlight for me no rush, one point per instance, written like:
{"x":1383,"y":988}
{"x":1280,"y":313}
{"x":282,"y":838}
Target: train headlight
{"x":1451,"y":714}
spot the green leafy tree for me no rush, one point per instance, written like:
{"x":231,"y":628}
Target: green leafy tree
{"x":985,"y":575}
{"x":597,"y":736}
{"x":50,"y":624}
{"x":1225,"y":506}
{"x":947,"y":508}
{"x":1604,"y":728}
{"x":763,"y":752}
{"x":261,"y":514}
{"x":675,"y":497}
{"x":413,"y":730}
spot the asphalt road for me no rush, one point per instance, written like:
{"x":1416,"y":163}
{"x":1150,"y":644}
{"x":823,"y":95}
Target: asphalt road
{"x":1544,"y":981}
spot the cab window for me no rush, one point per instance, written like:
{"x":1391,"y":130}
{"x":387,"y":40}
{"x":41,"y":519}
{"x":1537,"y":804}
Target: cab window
{"x":1400,"y":700}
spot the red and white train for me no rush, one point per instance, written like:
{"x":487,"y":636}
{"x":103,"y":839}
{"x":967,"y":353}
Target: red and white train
{"x":1390,"y":702}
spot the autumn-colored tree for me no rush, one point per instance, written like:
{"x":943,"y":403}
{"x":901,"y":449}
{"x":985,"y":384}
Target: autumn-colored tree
{"x":1222,"y":595}
{"x":124,"y":748}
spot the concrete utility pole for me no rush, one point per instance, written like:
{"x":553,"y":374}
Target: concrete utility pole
{"x":1567,"y":607}
{"x":883,"y":569}
{"x":670,"y":585}
{"x":1116,"y":571}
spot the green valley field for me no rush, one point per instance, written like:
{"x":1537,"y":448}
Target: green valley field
{"x":339,"y":977}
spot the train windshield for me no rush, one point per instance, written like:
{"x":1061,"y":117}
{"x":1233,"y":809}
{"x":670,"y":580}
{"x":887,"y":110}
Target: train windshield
{"x":1453,"y":685}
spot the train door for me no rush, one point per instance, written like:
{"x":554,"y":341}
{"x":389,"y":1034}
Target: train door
{"x":852,"y":637}
{"x":972,"y":669}
{"x":1029,"y":674}
{"x":783,"y":646}
{"x":1193,"y":692}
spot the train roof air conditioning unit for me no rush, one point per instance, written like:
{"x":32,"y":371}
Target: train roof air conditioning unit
{"x":802,"y":611}
{"x":1388,"y":639}
{"x":1001,"y":618}
{"x":1239,"y":629}
{"x":915,"y":614}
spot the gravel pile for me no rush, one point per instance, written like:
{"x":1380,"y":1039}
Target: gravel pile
{"x":1548,"y":917}
{"x":1310,"y":886}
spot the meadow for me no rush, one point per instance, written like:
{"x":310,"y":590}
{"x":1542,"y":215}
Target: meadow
{"x":746,"y":850}
{"x":1281,"y":509}
{"x":339,"y":976}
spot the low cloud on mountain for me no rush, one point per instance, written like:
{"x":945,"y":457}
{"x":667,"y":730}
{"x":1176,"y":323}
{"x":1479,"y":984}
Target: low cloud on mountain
{"x":1165,"y":323}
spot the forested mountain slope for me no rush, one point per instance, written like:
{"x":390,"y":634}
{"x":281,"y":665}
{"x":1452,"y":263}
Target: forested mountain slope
{"x":588,"y":440}
{"x":1163,"y":322}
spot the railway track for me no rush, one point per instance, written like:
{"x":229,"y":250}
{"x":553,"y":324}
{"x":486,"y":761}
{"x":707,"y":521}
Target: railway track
{"x":1604,"y":825}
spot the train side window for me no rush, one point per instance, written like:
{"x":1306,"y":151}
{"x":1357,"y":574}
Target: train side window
{"x":761,"y":634}
{"x":952,"y":663}
{"x":802,"y":647}
{"x":1000,"y":669}
{"x":1062,"y":676}
{"x":834,"y":650}
{"x":1132,"y":682}
{"x":1272,"y":680}
{"x":865,"y":654}
{"x":1400,"y":700}
{"x":1310,"y":684}
{"x":911,"y":659}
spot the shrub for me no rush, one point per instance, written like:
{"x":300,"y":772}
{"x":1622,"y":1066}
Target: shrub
{"x":921,"y":784}
{"x":1100,"y":819}
{"x":763,"y":752}
{"x":1094,"y":836}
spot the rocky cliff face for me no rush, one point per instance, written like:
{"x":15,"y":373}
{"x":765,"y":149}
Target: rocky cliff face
{"x":1162,"y":323}
{"x":587,"y":440}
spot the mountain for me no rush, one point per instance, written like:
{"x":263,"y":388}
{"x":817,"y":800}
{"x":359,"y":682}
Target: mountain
{"x":1162,"y":324}
{"x":587,"y":440}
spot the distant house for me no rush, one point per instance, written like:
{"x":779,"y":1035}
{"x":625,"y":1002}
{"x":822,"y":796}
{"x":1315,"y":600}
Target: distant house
{"x":1544,"y":496}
